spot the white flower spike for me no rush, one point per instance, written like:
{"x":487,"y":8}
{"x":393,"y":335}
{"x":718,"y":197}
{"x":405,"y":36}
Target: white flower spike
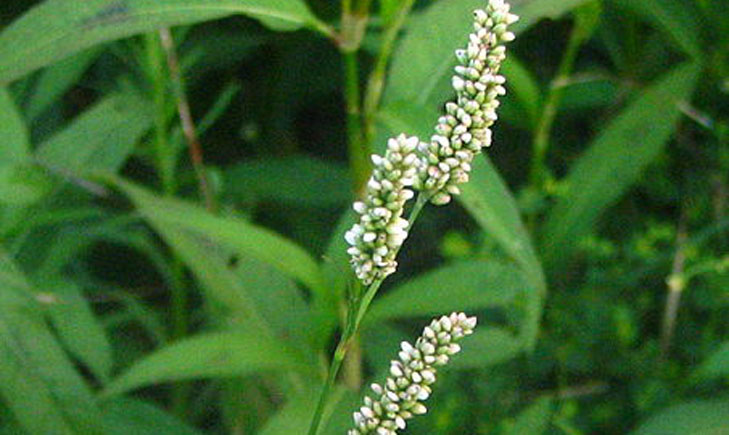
{"x":411,"y":377}
{"x":381,"y":230}
{"x":464,"y":129}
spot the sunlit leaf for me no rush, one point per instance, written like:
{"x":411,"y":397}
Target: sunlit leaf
{"x":57,"y":28}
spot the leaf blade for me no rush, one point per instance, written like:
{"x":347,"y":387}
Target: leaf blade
{"x":58,"y":28}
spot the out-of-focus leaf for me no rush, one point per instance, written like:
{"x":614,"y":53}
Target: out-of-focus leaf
{"x":13,"y":133}
{"x":588,"y":94}
{"x":488,"y":200}
{"x":716,"y":365}
{"x":253,"y":240}
{"x":530,"y":12}
{"x":388,"y":8}
{"x":100,"y":139}
{"x":222,"y":354}
{"x":467,"y":285}
{"x":131,"y":416}
{"x":534,"y":419}
{"x":423,"y":62}
{"x":485,"y":347}
{"x":298,"y":412}
{"x":38,"y":383}
{"x":676,"y":18}
{"x":614,"y":161}
{"x":54,"y":81}
{"x":297,"y":180}
{"x":57,"y":28}
{"x":78,"y":327}
{"x":697,"y":417}
{"x":524,"y":87}
{"x":21,"y":183}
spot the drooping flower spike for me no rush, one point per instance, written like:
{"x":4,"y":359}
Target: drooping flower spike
{"x":465,"y":128}
{"x":411,"y":377}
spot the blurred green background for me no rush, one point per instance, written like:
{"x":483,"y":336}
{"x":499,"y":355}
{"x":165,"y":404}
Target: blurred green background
{"x":152,"y":282}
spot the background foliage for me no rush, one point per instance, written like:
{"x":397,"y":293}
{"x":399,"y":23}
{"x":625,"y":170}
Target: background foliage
{"x":592,"y":241}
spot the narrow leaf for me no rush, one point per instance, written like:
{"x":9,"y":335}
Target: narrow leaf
{"x":223,"y":354}
{"x":716,"y":366}
{"x":57,"y":28}
{"x":488,"y":200}
{"x":258,"y":242}
{"x":697,"y":417}
{"x":534,"y":419}
{"x":38,"y":383}
{"x":467,"y":285}
{"x":79,"y":329}
{"x":675,"y":18}
{"x":486,"y":347}
{"x":423,"y":62}
{"x":296,"y":180}
{"x":54,"y":81}
{"x":100,"y":139}
{"x":126,"y":416}
{"x":614,"y":161}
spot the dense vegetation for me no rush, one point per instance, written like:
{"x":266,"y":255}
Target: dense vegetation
{"x":166,"y":272}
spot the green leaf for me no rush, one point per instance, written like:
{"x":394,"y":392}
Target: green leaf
{"x":423,"y":62}
{"x":131,"y":416}
{"x":614,"y":161}
{"x":716,"y":365}
{"x":534,"y":419}
{"x":697,"y":417}
{"x":78,"y":327}
{"x":531,"y":12}
{"x":486,"y":347}
{"x":487,"y":198}
{"x":250,"y":239}
{"x":58,"y":28}
{"x":14,"y":140}
{"x":38,"y":383}
{"x":676,"y":18}
{"x":54,"y":81}
{"x":523,"y":86}
{"x":100,"y":139}
{"x":467,"y":285}
{"x":296,"y":180}
{"x":222,"y":354}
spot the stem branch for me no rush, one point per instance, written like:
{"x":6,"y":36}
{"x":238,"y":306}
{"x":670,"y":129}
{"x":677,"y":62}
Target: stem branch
{"x":188,"y":125}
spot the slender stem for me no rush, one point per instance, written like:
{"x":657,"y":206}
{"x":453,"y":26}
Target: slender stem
{"x":541,"y":134}
{"x":676,"y":283}
{"x":188,"y":125}
{"x":358,"y":153}
{"x":157,"y":77}
{"x":376,"y":81}
{"x":354,"y":319}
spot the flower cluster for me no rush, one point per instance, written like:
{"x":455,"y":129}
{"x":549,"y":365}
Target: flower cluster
{"x":411,"y":376}
{"x":464,"y":129}
{"x":381,"y":230}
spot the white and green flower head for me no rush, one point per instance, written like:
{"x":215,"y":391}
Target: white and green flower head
{"x":381,"y":230}
{"x":465,"y":128}
{"x":411,"y":377}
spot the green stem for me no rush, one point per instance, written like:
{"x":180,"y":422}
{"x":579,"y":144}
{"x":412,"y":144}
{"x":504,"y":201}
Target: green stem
{"x":358,"y":152}
{"x":158,"y":78}
{"x":376,"y":81}
{"x":554,"y":96}
{"x":354,"y":320}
